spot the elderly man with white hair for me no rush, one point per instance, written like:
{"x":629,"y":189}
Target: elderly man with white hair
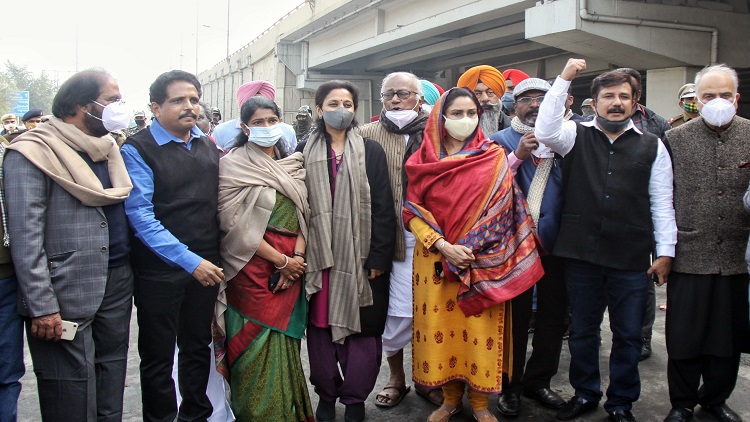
{"x":399,"y":132}
{"x":707,"y":293}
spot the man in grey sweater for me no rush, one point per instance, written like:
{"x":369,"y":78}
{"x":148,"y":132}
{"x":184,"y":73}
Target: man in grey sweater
{"x":707,"y":293}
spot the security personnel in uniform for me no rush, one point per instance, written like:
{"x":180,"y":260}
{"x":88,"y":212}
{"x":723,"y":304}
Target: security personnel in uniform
{"x":687,"y":97}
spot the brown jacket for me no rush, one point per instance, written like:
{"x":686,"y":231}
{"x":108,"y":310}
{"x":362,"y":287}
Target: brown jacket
{"x":711,"y":175}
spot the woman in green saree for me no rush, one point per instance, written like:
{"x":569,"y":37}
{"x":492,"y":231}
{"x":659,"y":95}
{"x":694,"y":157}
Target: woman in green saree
{"x":262,"y":310}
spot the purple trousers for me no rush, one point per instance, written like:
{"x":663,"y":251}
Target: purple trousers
{"x":358,"y":356}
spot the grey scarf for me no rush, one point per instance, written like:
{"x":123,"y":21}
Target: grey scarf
{"x":344,"y":244}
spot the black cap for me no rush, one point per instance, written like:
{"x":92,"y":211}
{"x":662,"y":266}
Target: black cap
{"x":34,"y":112}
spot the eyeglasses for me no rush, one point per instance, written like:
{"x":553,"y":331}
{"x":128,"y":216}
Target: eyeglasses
{"x":402,"y":94}
{"x":529,"y":100}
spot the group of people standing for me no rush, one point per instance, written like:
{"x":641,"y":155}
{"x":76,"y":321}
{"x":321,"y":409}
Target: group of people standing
{"x":419,"y":227}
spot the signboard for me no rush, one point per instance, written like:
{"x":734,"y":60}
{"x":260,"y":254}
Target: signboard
{"x":19,"y":102}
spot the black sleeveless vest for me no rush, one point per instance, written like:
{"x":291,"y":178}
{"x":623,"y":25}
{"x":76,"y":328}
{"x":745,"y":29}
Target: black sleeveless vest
{"x":606,"y":218}
{"x":186,"y":186}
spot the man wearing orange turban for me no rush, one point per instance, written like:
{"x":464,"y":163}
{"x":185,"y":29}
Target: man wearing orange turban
{"x":488,"y":85}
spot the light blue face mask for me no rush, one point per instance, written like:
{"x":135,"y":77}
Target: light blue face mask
{"x":508,"y":101}
{"x":264,"y":136}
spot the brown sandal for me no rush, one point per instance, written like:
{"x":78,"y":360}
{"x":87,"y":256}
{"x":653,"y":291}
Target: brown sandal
{"x":427,"y":394}
{"x":443,"y":415}
{"x":391,"y":399}
{"x":487,"y":417}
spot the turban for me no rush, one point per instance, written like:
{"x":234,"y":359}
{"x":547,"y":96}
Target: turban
{"x":488,"y":75}
{"x":439,"y":88}
{"x":515,"y":76}
{"x":253,"y":88}
{"x":430,"y":93}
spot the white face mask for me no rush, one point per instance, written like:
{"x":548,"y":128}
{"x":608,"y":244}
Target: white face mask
{"x":718,"y":112}
{"x":427,"y":108}
{"x":462,"y":128}
{"x":401,"y":118}
{"x":264,"y":136}
{"x":115,"y":116}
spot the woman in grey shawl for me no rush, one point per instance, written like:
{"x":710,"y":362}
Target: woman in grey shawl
{"x":350,"y":246}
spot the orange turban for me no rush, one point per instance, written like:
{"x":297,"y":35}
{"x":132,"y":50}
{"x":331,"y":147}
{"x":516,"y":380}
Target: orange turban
{"x":488,"y":75}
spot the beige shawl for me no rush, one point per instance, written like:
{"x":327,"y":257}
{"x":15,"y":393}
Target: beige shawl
{"x":339,"y":232}
{"x":248,"y":182}
{"x":52,"y":148}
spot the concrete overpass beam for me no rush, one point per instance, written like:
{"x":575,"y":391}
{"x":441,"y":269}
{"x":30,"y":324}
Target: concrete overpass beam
{"x":641,"y":40}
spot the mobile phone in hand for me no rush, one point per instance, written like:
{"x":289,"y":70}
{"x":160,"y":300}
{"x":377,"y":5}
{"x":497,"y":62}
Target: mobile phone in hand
{"x":69,"y":330}
{"x":273,"y":280}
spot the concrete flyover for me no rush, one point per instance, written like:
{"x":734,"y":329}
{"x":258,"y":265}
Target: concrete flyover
{"x":362,"y":40}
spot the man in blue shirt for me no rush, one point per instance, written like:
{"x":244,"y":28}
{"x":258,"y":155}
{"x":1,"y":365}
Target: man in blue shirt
{"x":172,"y":209}
{"x":539,"y":174}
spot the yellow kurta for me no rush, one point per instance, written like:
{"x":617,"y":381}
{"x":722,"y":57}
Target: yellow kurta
{"x":446,"y":345}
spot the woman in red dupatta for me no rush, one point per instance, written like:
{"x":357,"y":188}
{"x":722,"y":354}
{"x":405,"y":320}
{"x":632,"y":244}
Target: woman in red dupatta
{"x":476,"y":250}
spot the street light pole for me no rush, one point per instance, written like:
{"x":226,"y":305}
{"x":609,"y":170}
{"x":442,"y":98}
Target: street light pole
{"x":197,"y":13}
{"x":228,"y":3}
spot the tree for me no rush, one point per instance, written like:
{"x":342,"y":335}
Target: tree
{"x":18,"y":78}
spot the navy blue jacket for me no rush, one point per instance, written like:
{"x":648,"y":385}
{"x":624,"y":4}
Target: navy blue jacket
{"x":552,"y":202}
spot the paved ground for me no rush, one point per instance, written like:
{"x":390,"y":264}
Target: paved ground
{"x":652,"y":406}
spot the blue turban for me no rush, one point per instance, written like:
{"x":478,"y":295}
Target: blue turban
{"x":431,"y":94}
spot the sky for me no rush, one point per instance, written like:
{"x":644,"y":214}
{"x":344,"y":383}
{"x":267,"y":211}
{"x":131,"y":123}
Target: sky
{"x":134,"y":40}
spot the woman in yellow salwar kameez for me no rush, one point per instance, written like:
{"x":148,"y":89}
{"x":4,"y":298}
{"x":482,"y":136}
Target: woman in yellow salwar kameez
{"x":475,"y":250}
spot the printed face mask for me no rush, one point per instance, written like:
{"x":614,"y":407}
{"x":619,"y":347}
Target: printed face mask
{"x":718,"y":112}
{"x":690,"y":108}
{"x":462,"y":128}
{"x":115,"y":116}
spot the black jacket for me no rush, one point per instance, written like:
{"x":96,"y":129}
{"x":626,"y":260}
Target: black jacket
{"x":383,"y":237}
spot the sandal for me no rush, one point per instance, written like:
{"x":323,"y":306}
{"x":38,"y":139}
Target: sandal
{"x":443,"y":415}
{"x":487,"y":417}
{"x":386,"y":399}
{"x":429,"y":394}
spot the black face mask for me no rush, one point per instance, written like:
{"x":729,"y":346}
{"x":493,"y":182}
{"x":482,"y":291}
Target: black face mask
{"x":140,"y":122}
{"x":610,"y":126}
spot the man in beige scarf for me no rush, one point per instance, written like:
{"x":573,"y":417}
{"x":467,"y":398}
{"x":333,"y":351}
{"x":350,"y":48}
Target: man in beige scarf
{"x":65,"y":183}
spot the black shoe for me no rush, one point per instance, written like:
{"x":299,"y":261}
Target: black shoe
{"x":621,"y":416}
{"x":326,"y":411}
{"x":575,"y":408}
{"x":646,"y":350}
{"x":509,"y":404}
{"x":354,"y":412}
{"x":546,"y":397}
{"x":723,"y":413}
{"x":679,"y":415}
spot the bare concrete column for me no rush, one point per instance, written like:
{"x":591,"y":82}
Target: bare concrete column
{"x":662,"y":86}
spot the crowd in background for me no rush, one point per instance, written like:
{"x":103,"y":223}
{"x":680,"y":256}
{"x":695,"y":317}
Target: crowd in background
{"x":451,"y":221}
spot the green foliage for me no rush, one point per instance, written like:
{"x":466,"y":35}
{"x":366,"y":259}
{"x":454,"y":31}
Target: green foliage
{"x":18,"y":78}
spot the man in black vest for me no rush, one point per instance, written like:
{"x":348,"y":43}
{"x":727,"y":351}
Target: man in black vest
{"x":172,"y":209}
{"x":617,"y":189}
